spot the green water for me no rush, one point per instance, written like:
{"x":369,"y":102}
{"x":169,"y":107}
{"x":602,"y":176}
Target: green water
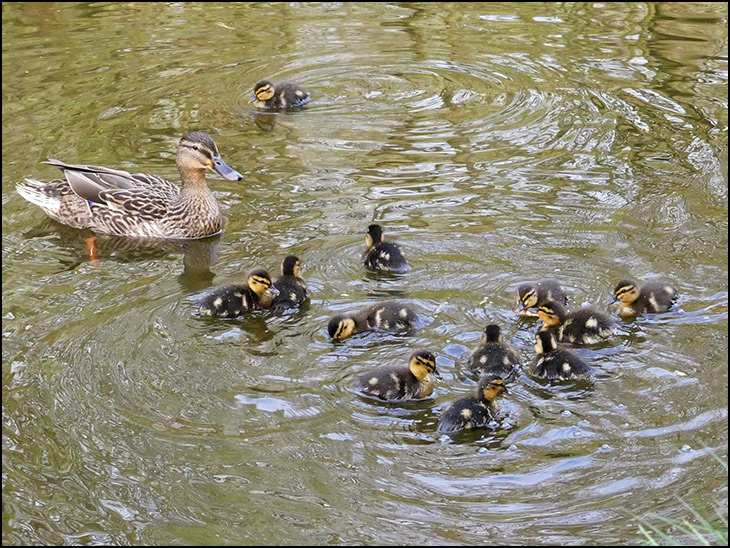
{"x":497,"y":143}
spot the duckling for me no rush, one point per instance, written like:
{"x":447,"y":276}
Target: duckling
{"x":532,"y":295}
{"x":652,"y":297}
{"x":474,"y":411}
{"x":385,"y":315}
{"x":382,"y":255}
{"x":494,"y":357}
{"x":292,"y":288}
{"x":584,"y":325}
{"x":401,"y":382}
{"x":233,"y":300}
{"x":270,"y":97}
{"x":557,"y":363}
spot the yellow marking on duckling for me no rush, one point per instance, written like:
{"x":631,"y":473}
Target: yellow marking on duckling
{"x":293,"y":297}
{"x":394,"y":377}
{"x":373,"y":381}
{"x":653,"y":302}
{"x":506,"y":360}
{"x":669,"y":289}
{"x":483,"y":359}
{"x":218,"y":302}
{"x":566,"y":367}
{"x":403,"y":313}
{"x":592,"y":322}
{"x":466,"y":413}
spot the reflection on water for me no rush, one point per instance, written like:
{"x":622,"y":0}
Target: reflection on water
{"x":497,"y":143}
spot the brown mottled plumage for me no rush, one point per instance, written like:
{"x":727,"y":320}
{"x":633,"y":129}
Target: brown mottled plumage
{"x":139,"y":205}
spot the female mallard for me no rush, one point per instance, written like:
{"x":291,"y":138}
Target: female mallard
{"x":401,"y":382}
{"x":292,"y":288}
{"x":557,"y":363}
{"x":270,"y":97}
{"x":585,"y":325}
{"x":386,"y":315}
{"x":231,"y":301}
{"x":474,"y":412}
{"x":493,"y":357}
{"x":382,"y":255}
{"x":533,"y":294}
{"x":139,"y":205}
{"x":652,"y":297}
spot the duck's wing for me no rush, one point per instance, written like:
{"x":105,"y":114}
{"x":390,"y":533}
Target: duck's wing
{"x":98,"y":184}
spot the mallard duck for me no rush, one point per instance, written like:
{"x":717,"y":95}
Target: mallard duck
{"x":385,"y":315}
{"x":652,"y":297}
{"x":401,"y":382}
{"x":382,"y":255}
{"x":533,"y":294}
{"x":119,"y":203}
{"x":292,"y":288}
{"x":585,"y":325}
{"x":270,"y":97}
{"x":557,"y":363}
{"x":493,"y":357}
{"x":474,"y":411}
{"x":231,"y":301}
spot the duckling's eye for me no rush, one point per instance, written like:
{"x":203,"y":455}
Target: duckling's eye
{"x":195,"y":147}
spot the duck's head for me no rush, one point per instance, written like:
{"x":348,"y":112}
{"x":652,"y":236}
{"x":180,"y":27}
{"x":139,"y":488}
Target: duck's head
{"x":374,"y":235}
{"x":422,"y":364}
{"x":197,"y":151}
{"x":263,"y":91}
{"x":492,"y":334}
{"x":290,"y":267}
{"x":626,"y":291}
{"x":341,"y":327}
{"x":526,"y":297}
{"x":545,"y":342}
{"x":552,"y":313}
{"x":490,"y":387}
{"x":259,"y":282}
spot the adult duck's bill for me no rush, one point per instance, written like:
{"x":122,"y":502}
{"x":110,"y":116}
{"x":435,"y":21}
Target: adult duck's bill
{"x":224,"y":170}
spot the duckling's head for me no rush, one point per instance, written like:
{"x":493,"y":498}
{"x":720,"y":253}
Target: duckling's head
{"x":290,"y":267}
{"x":627,"y":291}
{"x":341,"y":327}
{"x":526,"y":297}
{"x":197,"y":151}
{"x":374,"y":235}
{"x":259,"y":282}
{"x":545,"y":342}
{"x":490,"y":387}
{"x":552,"y":313}
{"x":263,"y":91}
{"x":422,"y":364}
{"x":492,"y":334}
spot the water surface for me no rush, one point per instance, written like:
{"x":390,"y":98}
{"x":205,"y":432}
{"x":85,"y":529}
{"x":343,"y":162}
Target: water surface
{"x":498,"y":143}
